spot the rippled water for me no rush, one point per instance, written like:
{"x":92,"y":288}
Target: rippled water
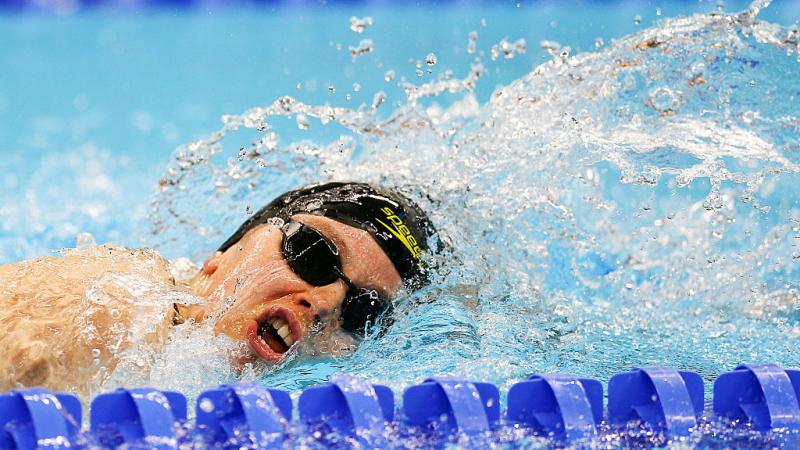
{"x":633,"y":206}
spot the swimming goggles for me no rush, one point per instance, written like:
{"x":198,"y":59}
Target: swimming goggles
{"x":315,"y":259}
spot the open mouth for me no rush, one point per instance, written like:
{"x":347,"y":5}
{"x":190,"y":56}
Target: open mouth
{"x":274,"y":333}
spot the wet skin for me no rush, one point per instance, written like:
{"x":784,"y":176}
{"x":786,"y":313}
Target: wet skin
{"x":255,"y":281}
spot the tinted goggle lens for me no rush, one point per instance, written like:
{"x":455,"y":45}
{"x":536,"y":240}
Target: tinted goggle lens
{"x":310,"y":255}
{"x":316,"y":260}
{"x":363,"y":306}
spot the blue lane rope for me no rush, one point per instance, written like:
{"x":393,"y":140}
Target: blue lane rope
{"x":764,"y":395}
{"x":350,"y":407}
{"x":561,"y":407}
{"x":450,"y":405}
{"x":667,"y":400}
{"x":568,"y":408}
{"x":130,"y":416}
{"x":243,"y":414}
{"x":36,"y":418}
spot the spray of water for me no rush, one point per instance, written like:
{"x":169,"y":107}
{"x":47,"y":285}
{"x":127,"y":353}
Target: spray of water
{"x":633,"y":206}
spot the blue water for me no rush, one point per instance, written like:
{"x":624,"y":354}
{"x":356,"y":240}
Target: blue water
{"x":629,"y":201}
{"x":124,"y":88}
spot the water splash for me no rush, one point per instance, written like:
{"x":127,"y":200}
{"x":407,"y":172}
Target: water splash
{"x":472,"y":44}
{"x":363,"y":47}
{"x":633,"y":206}
{"x":508,"y":49}
{"x":359,"y":25}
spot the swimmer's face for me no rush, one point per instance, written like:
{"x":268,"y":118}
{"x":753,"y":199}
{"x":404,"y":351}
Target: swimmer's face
{"x":262,"y":302}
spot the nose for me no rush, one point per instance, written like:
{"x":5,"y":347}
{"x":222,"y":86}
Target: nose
{"x":320,"y":303}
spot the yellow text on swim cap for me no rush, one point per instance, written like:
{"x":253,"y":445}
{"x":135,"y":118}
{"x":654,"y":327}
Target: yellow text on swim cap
{"x":401,"y":232}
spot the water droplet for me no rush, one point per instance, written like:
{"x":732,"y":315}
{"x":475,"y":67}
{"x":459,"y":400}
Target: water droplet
{"x":637,"y":20}
{"x":363,"y":47}
{"x":206,"y":405}
{"x":598,"y":42}
{"x":388,"y":76}
{"x":302,"y":122}
{"x":248,"y":209}
{"x":356,"y":87}
{"x":331,"y":89}
{"x":658,"y":11}
{"x":84,"y":240}
{"x":551,"y":47}
{"x":96,"y":352}
{"x":483,"y":22}
{"x":748,"y":117}
{"x":260,"y":163}
{"x":378,"y":99}
{"x":508,"y":49}
{"x":359,"y":25}
{"x":665,"y":100}
{"x":314,"y":205}
{"x":752,"y":83}
{"x":242,"y":153}
{"x":420,"y":72}
{"x":275,"y":222}
{"x":472,"y":44}
{"x":430,"y":59}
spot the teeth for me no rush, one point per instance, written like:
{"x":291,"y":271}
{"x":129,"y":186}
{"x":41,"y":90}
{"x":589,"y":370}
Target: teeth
{"x":284,"y":331}
{"x":282,"y":328}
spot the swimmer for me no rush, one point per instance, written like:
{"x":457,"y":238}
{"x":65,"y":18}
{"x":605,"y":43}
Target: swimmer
{"x":315,"y":263}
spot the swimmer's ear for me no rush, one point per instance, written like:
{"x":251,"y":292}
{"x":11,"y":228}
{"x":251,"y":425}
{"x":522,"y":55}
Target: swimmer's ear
{"x":211,"y":264}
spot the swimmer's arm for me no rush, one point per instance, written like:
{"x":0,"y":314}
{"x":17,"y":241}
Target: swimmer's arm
{"x":5,"y":271}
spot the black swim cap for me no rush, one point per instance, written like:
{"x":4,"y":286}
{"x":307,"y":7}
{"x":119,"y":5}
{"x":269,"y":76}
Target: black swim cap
{"x":398,"y":225}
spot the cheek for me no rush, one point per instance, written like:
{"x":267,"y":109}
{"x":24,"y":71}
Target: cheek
{"x":231,"y":325}
{"x":244,"y":296}
{"x":335,"y":343}
{"x":243,"y":272}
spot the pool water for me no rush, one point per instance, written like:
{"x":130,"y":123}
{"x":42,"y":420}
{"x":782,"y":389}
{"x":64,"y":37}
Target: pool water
{"x":623,"y":194}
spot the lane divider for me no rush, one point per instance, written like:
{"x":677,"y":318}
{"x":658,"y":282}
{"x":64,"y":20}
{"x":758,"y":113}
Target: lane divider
{"x":38,"y":418}
{"x":127,"y":417}
{"x":667,"y":400}
{"x":241,"y":415}
{"x":560,"y":407}
{"x":444,"y":406}
{"x":763,"y":395}
{"x":348,"y":406}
